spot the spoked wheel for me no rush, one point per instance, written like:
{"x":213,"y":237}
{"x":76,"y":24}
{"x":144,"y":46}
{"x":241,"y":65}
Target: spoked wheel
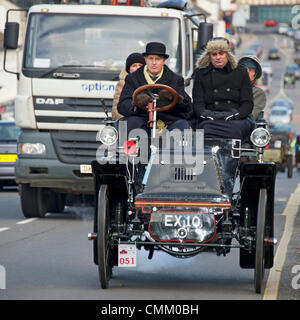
{"x":103,"y":238}
{"x":260,"y":241}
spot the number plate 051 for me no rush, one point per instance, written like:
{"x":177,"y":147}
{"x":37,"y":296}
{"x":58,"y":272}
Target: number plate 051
{"x":126,"y":255}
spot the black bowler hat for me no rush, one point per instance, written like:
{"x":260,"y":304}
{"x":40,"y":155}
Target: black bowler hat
{"x":157,"y":48}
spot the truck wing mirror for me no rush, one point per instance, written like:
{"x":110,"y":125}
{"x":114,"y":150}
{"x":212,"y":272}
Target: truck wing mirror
{"x":11,"y":35}
{"x":205,"y":33}
{"x":204,"y":30}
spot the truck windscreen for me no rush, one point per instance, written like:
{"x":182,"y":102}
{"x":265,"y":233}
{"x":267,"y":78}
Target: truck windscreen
{"x":95,"y":42}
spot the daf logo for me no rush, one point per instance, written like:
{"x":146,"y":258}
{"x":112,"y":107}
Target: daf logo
{"x":49,"y":101}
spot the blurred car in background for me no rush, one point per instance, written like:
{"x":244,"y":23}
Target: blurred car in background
{"x":258,"y":49}
{"x":284,"y":103}
{"x":250,"y":52}
{"x":293,"y":68}
{"x":8,"y":152}
{"x":289,"y":80}
{"x":274,"y":53}
{"x":297,"y":40}
{"x":270,"y":23}
{"x":279,"y":115}
{"x":290,"y":33}
{"x":280,"y":150}
{"x":267,"y":68}
{"x":264,"y":82}
{"x":283,"y":28}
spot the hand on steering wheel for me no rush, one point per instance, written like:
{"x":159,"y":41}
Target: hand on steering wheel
{"x":150,"y":88}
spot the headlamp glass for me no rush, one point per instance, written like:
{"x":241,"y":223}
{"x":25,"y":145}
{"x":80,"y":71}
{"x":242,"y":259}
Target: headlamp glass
{"x":260,"y":137}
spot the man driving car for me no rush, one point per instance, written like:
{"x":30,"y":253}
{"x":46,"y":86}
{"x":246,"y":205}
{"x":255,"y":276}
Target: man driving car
{"x":154,"y":72}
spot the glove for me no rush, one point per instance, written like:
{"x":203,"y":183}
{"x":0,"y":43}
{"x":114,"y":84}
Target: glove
{"x":166,"y":95}
{"x":221,"y":115}
{"x":234,"y":115}
{"x":207,"y":114}
{"x":142,"y":100}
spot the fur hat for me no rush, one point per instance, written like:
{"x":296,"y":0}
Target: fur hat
{"x":135,"y":57}
{"x":216,"y":45}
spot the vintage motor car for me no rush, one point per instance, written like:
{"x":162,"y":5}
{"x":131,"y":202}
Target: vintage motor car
{"x":280,"y":149}
{"x":224,"y":200}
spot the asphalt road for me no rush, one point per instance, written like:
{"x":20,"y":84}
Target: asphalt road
{"x":51,"y":258}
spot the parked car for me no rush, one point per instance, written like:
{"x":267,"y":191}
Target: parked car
{"x":8,"y":152}
{"x":283,"y":103}
{"x":293,"y":68}
{"x":270,"y":23}
{"x":267,"y":68}
{"x":264,"y":82}
{"x":273,"y":53}
{"x":279,"y":115}
{"x":283,"y":28}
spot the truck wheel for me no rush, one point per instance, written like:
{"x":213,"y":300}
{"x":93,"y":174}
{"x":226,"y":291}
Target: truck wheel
{"x":290,"y":166}
{"x":34,"y":201}
{"x":57,"y":202}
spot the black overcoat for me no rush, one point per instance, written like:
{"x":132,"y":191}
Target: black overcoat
{"x":222,"y":89}
{"x":136,"y":79}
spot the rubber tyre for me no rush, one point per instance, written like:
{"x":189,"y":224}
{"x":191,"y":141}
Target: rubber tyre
{"x":290,"y":166}
{"x":103,"y":238}
{"x":34,"y":201}
{"x":260,"y":241}
{"x":57,"y":202}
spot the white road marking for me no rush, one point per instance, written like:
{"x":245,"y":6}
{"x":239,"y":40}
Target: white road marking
{"x":283,"y":199}
{"x":27,"y":221}
{"x":290,"y":211}
{"x":4,"y":229}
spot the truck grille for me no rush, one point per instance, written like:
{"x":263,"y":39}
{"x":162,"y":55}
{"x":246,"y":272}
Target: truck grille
{"x":70,"y":113}
{"x":75,"y":147}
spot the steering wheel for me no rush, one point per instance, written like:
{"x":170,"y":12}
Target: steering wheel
{"x":150,"y":88}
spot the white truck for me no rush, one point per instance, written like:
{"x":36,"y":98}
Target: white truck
{"x":72,"y":56}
